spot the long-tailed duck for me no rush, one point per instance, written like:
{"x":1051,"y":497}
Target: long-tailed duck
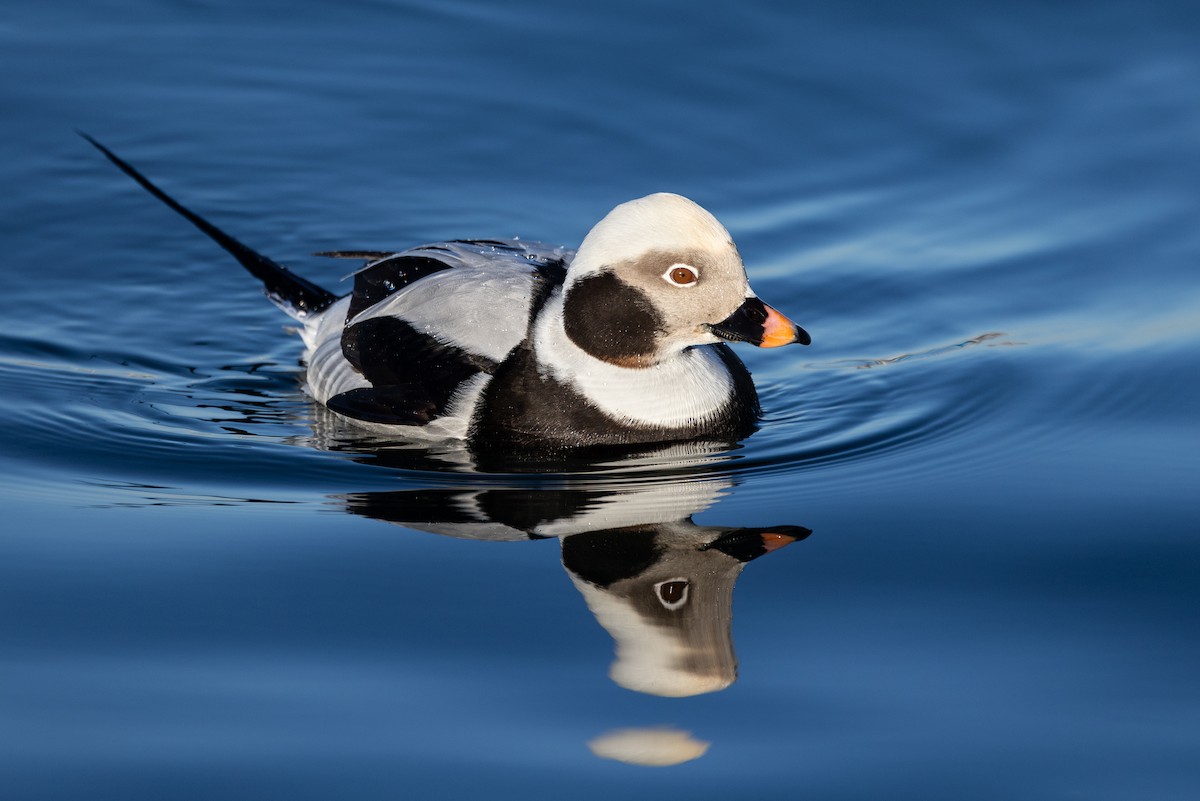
{"x":510,"y":343}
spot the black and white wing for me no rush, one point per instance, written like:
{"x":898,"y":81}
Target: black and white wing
{"x":423,"y":331}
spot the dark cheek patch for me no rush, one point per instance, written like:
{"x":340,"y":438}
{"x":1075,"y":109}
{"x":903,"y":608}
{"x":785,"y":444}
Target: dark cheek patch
{"x":611,"y":320}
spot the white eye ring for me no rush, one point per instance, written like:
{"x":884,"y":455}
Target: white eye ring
{"x":674,"y":583}
{"x":669,"y":275}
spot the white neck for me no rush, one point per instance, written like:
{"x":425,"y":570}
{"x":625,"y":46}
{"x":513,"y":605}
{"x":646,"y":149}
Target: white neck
{"x":683,"y":390}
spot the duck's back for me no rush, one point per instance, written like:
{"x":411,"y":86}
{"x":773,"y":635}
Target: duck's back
{"x":423,"y":330}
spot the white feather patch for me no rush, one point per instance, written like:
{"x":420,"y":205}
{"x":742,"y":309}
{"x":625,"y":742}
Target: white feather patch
{"x":329,"y":373}
{"x":482,"y":310}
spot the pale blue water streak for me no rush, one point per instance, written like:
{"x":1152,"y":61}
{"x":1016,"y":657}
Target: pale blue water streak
{"x":985,"y":215}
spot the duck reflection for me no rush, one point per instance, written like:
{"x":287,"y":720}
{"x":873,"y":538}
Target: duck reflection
{"x":661,"y":585}
{"x":665,"y":594}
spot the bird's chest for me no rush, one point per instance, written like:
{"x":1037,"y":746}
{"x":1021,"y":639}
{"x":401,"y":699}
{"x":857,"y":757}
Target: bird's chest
{"x":530,"y":403}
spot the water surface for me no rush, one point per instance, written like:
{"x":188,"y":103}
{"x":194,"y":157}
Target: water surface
{"x":984,"y":214}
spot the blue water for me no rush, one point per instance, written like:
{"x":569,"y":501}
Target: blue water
{"x":985,"y":214}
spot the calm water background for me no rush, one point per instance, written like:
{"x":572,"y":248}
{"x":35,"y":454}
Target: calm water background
{"x":987,"y":215}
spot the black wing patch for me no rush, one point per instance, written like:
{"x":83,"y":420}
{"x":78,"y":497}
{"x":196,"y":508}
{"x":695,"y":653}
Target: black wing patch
{"x":383,"y":278}
{"x":413,"y":375}
{"x":369,"y":255}
{"x":399,"y":405}
{"x":388,"y":350}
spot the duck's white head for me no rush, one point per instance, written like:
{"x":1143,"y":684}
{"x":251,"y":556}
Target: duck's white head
{"x":658,"y":275}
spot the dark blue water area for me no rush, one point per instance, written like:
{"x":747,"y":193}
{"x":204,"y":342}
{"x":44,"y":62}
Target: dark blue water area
{"x":986,"y":216}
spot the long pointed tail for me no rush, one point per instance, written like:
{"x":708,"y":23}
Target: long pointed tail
{"x":295,"y":295}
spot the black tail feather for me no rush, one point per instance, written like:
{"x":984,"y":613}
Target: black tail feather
{"x":293,"y":293}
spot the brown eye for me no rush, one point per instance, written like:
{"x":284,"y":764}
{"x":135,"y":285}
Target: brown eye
{"x":672,"y":594}
{"x":681,"y":275}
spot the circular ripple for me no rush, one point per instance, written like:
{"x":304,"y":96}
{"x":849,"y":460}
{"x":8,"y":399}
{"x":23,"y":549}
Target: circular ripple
{"x":148,"y":420}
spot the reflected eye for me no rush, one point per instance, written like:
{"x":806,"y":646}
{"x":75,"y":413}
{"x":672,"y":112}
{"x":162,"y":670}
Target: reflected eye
{"x":681,"y":275}
{"x":673,"y":593}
